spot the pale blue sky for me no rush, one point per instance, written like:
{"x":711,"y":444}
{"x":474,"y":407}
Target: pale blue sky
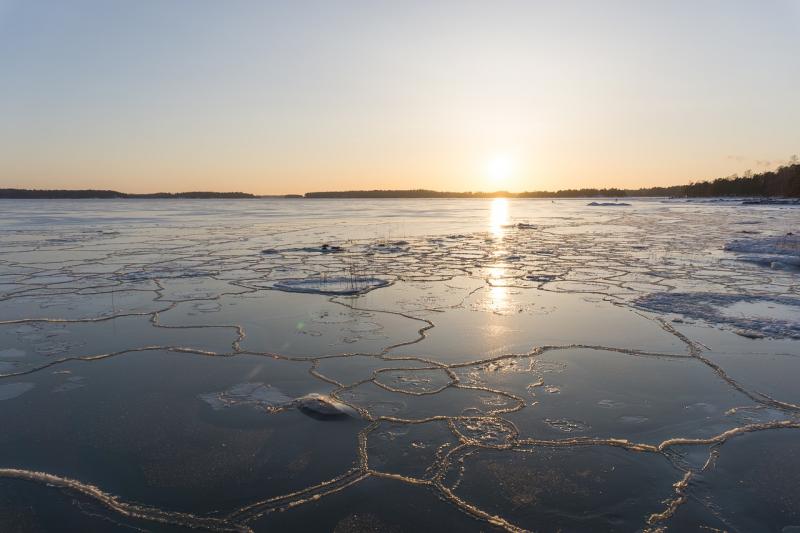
{"x":274,"y":97}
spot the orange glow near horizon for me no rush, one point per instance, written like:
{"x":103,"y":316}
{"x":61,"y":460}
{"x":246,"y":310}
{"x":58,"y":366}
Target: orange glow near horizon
{"x":277,"y":98}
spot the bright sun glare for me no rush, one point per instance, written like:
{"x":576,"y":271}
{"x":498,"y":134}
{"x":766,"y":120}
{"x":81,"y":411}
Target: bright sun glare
{"x":499,"y":168}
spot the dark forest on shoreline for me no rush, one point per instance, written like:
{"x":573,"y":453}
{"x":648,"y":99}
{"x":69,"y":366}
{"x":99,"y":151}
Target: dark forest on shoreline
{"x":783,"y":182}
{"x":51,"y":194}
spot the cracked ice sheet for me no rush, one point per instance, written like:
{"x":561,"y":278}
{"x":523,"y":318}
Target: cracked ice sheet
{"x":374,"y":505}
{"x":751,"y":486}
{"x":419,"y":299}
{"x":768,"y":366}
{"x":449,"y":402}
{"x":412,"y":450}
{"x":352,"y":369}
{"x":584,"y":489}
{"x":37,"y":344}
{"x":298,"y":325}
{"x":34,"y":507}
{"x":199,"y":288}
{"x":532,"y":318}
{"x":122,"y":428}
{"x":762,"y":365}
{"x":603,"y":394}
{"x":561,"y":247}
{"x":86,"y":306}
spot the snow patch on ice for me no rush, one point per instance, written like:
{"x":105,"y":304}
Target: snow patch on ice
{"x":775,"y":252}
{"x":753,"y":316}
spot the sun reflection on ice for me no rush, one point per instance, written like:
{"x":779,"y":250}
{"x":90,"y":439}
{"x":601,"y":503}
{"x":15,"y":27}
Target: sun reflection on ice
{"x":498,"y":216}
{"x":498,"y":293}
{"x":498,"y":221}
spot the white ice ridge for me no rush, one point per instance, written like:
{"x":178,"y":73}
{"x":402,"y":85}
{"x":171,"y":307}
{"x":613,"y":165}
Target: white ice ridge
{"x":775,"y":252}
{"x":749,"y":315}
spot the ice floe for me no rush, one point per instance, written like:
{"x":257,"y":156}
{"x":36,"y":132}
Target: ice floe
{"x":332,"y":285}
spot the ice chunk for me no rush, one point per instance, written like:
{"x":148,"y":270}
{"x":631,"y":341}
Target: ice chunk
{"x":324,"y":407}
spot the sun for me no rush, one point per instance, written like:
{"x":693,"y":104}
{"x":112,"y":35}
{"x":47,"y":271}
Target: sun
{"x":499,"y":168}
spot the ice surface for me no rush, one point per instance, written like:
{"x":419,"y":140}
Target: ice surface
{"x":524,"y":364}
{"x":9,"y":391}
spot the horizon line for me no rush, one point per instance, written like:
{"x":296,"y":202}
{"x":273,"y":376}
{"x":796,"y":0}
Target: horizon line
{"x":311,"y":194}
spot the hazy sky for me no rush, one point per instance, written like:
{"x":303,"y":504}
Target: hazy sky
{"x":277,"y":97}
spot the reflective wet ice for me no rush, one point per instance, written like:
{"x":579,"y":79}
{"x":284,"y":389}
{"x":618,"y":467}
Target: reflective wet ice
{"x":296,"y":365}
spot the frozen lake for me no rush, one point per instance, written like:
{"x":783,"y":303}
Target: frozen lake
{"x":392,"y":365}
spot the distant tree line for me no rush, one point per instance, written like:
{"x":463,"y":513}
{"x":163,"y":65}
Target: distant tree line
{"x":23,"y":194}
{"x":427,"y":193}
{"x":783,"y":182}
{"x":193,"y":194}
